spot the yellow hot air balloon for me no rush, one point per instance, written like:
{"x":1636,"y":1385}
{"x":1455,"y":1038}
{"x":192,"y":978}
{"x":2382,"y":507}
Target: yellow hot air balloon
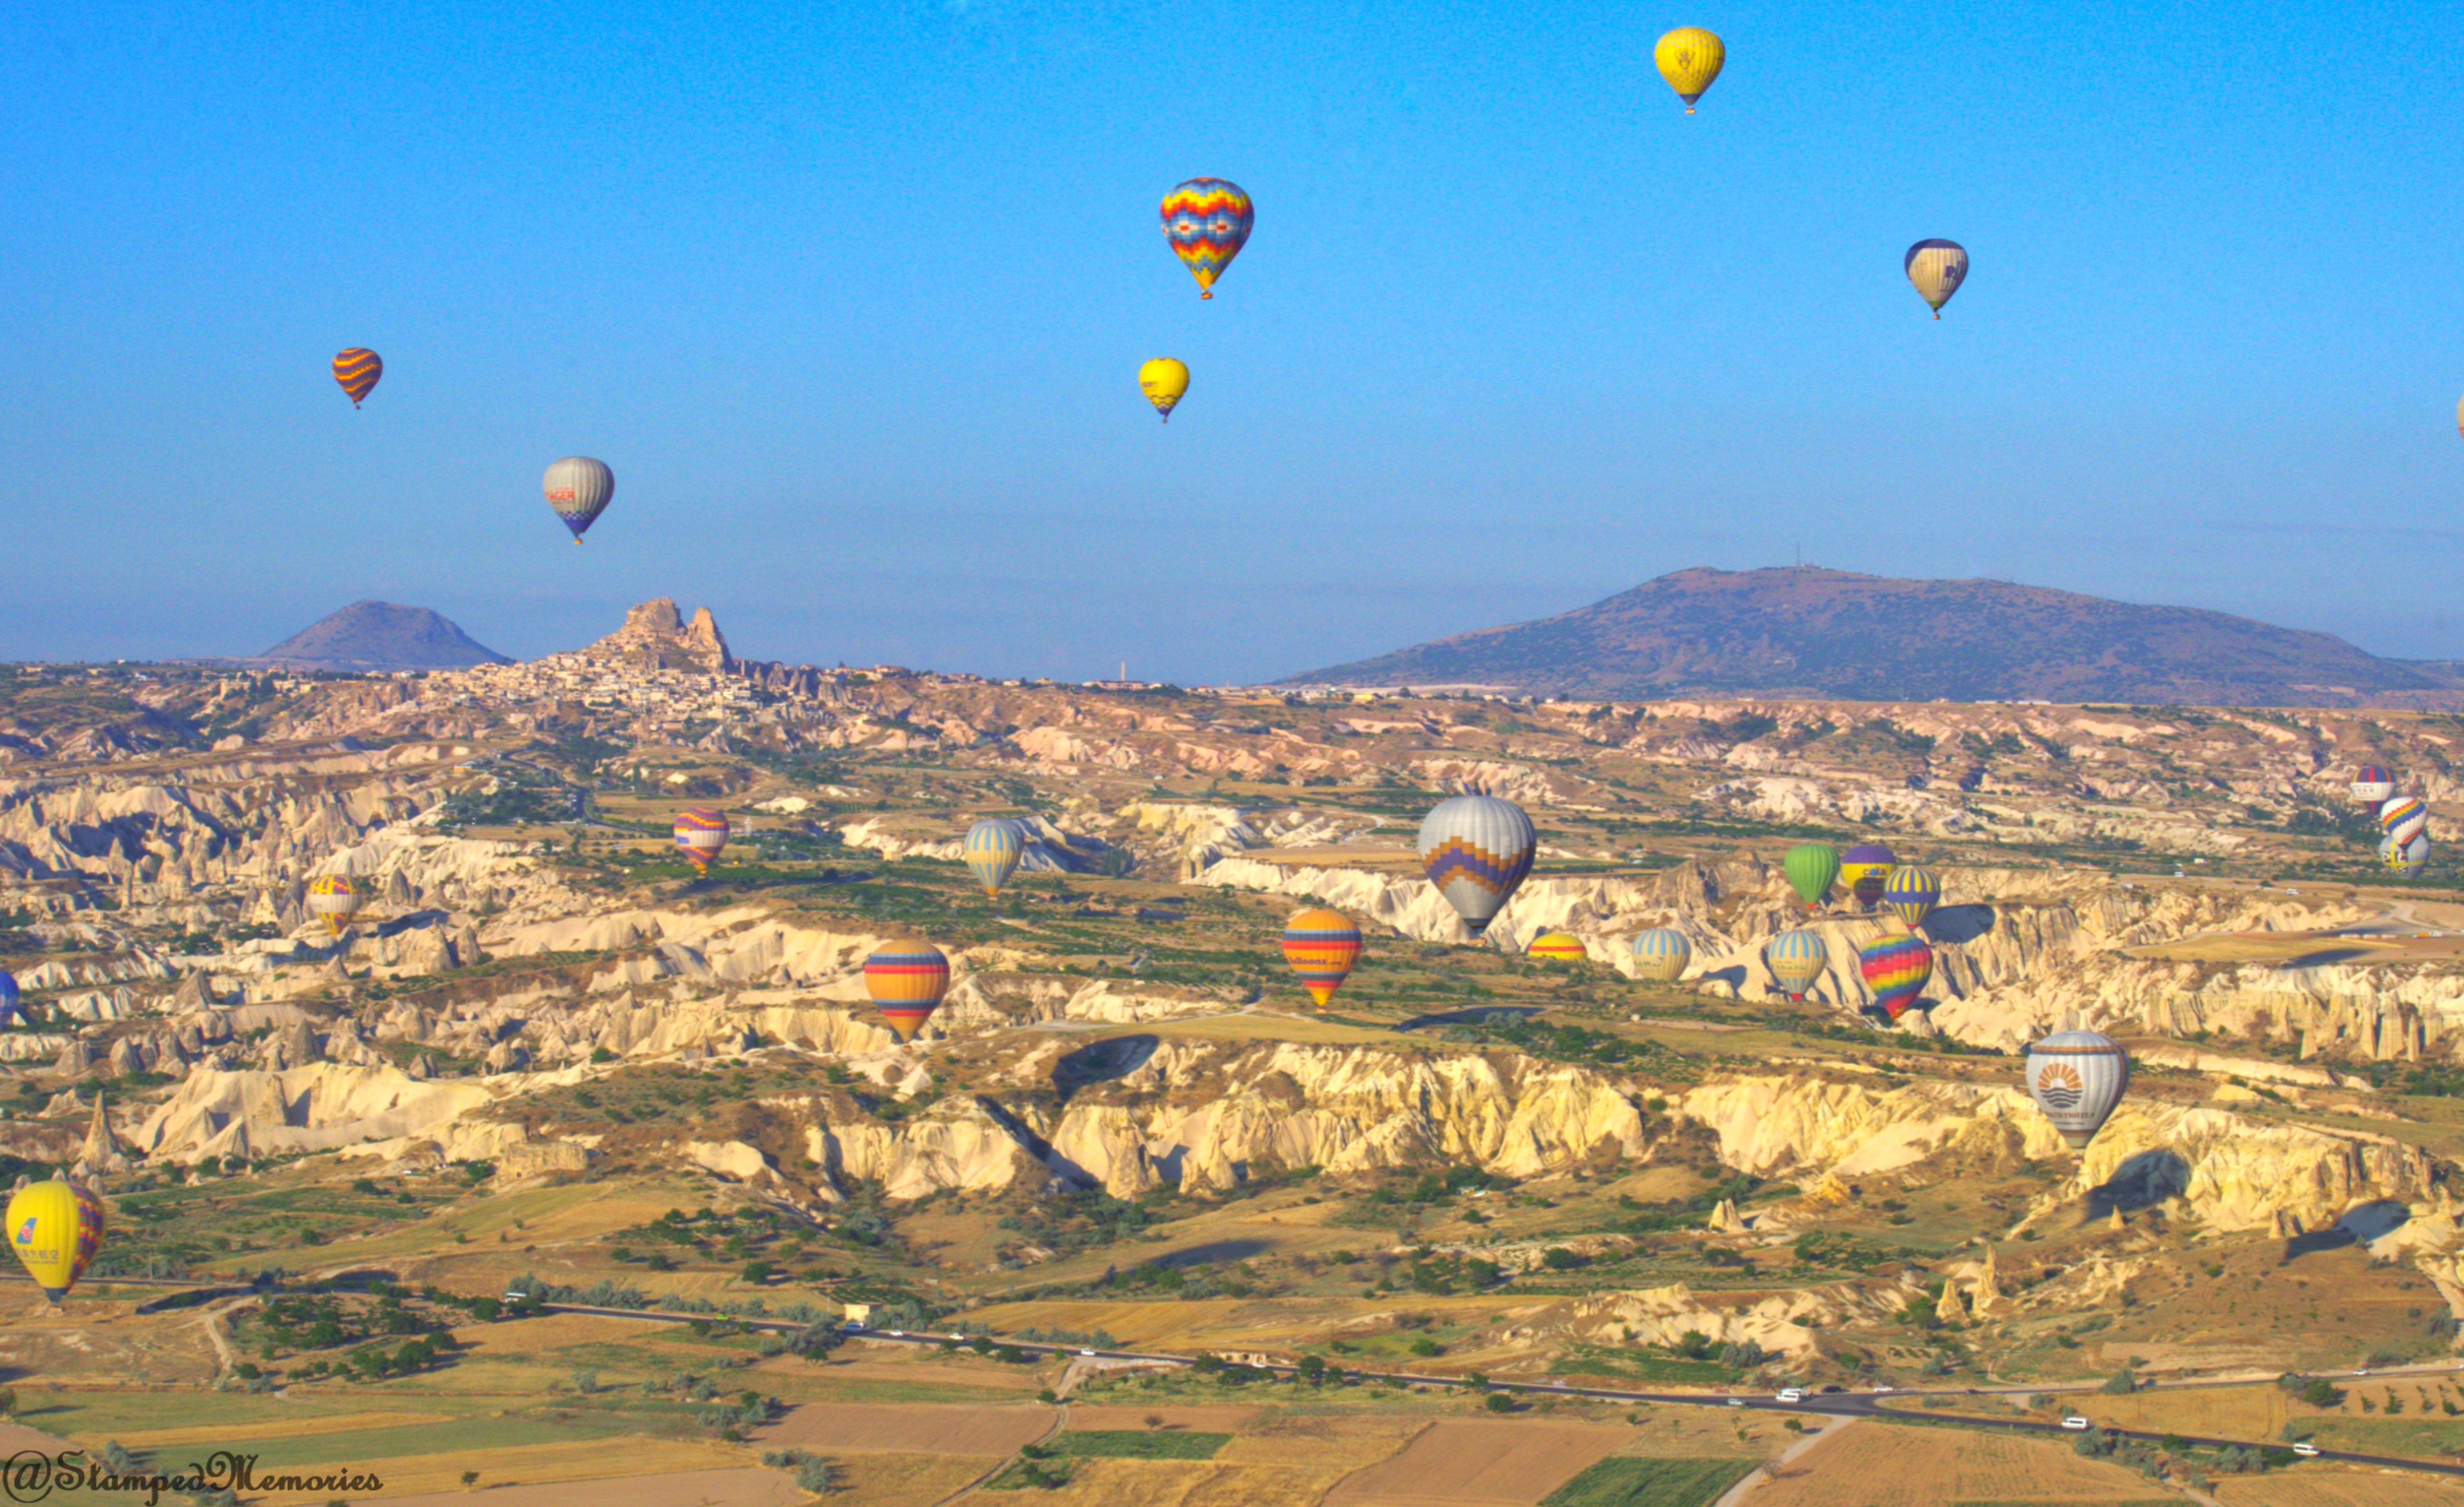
{"x":1163,"y":380}
{"x":1937,"y":267}
{"x":55,"y":1228}
{"x":1689,"y":59}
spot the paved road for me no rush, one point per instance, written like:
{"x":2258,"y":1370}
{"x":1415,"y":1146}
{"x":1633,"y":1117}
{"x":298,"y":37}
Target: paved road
{"x":1832,"y":1404}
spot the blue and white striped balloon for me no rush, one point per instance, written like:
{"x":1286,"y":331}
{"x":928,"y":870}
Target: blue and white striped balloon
{"x":1661,"y":955}
{"x":1796,"y":959}
{"x":992,"y":850}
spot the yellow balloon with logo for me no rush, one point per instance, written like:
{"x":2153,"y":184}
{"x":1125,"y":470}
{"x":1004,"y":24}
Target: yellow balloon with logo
{"x":1163,"y":380}
{"x":1689,"y":59}
{"x":55,"y":1228}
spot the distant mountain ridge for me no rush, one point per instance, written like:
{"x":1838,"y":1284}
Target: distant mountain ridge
{"x":367,"y":636}
{"x":1805,"y":630}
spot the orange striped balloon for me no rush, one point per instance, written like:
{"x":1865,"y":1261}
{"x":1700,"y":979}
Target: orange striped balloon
{"x":358,"y":371}
{"x":1321,"y":945}
{"x":907,"y":980}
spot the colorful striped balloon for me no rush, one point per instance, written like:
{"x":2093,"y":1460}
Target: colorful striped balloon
{"x":907,"y":980}
{"x":1912,"y":893}
{"x":358,"y":371}
{"x":1865,"y":869}
{"x":1897,"y":967}
{"x":992,"y":850}
{"x":2373,"y":784}
{"x":1476,"y":850}
{"x":700,"y":832}
{"x":1661,"y":955}
{"x":1558,"y":946}
{"x":1796,"y":959}
{"x":1322,"y":947}
{"x":1207,"y":220}
{"x":2404,"y":818}
{"x":333,"y":899}
{"x":578,"y":489}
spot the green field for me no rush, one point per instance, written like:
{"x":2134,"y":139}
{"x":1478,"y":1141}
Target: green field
{"x":1630,"y":1481}
{"x":1132,"y":1444}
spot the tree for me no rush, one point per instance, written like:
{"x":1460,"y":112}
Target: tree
{"x":2323,"y":1393}
{"x":1499,"y":1403}
{"x":1557,"y":1259}
{"x":2123,"y":1383}
{"x":470,"y":1479}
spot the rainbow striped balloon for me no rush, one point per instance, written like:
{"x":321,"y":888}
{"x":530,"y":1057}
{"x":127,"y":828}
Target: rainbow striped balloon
{"x":1558,"y":946}
{"x":1207,"y":220}
{"x":358,"y":371}
{"x":1661,"y":955}
{"x":2404,"y":818}
{"x":1322,"y":947}
{"x":702,"y":830}
{"x":1897,"y":968}
{"x":907,"y":980}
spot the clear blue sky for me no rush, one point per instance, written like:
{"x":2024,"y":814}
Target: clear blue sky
{"x":852,"y":298}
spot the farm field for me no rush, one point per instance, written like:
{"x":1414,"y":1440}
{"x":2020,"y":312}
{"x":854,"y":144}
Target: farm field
{"x":1465,"y":1461}
{"x":2338,"y":1486}
{"x":920,"y":1428}
{"x":1886,"y":1466}
{"x":1649,"y":1481}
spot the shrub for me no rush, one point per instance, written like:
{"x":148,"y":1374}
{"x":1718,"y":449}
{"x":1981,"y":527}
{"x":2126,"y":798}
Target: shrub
{"x":1499,"y":1403}
{"x":2120,"y":1383}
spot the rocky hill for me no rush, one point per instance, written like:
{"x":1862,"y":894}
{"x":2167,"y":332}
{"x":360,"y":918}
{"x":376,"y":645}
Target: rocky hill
{"x":1809,"y":631}
{"x":655,"y":636}
{"x":378,"y":636}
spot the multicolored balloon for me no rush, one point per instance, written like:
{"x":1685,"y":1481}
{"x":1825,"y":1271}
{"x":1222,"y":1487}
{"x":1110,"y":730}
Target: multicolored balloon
{"x":1937,"y":268}
{"x":700,"y":832}
{"x":1897,"y":967}
{"x":1810,"y":867}
{"x":2373,"y":784}
{"x":1476,"y":850}
{"x":992,"y":850}
{"x":1558,"y":946}
{"x":334,"y":899}
{"x":2077,"y":1077}
{"x":55,"y":1226}
{"x":578,"y":489}
{"x":2404,"y":818}
{"x":11,"y":1014}
{"x":1661,"y":955}
{"x":1689,"y":59}
{"x":1322,"y":947}
{"x":1207,"y":220}
{"x":1165,"y":381}
{"x":1911,"y":893}
{"x":358,"y":370}
{"x":1796,"y":959}
{"x":1866,"y":870}
{"x":907,"y":980}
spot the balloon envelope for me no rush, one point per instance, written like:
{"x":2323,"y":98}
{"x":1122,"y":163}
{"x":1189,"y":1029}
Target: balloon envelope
{"x":1937,"y":268}
{"x":1866,"y":870}
{"x":10,"y":1014}
{"x":1558,"y":946}
{"x":700,"y":832}
{"x":1796,"y":959}
{"x":358,"y":371}
{"x":2404,"y":818}
{"x":907,"y":980}
{"x":1207,"y":220}
{"x":1661,"y":955}
{"x":2374,"y":785}
{"x":334,"y":899}
{"x":578,"y":489}
{"x":2405,"y":858}
{"x":55,"y":1228}
{"x":1911,"y":893}
{"x":1689,"y":59}
{"x":1810,"y":867}
{"x":1322,"y":947}
{"x":1897,"y":968}
{"x":992,"y":850}
{"x":1163,"y":380}
{"x":1476,"y":848}
{"x":2077,"y":1077}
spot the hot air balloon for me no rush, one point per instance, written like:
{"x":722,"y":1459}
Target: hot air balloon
{"x":334,"y":898}
{"x":1796,"y":959}
{"x":1321,"y":945}
{"x":1911,"y":893}
{"x":1163,"y":380}
{"x":1476,"y":848}
{"x":11,"y":1014}
{"x":55,"y":1228}
{"x":1897,"y":967}
{"x":1661,"y":955}
{"x":1866,"y":870}
{"x":358,"y":371}
{"x":1207,"y":220}
{"x":1689,"y":59}
{"x":1558,"y":946}
{"x":1811,"y":866}
{"x":907,"y":980}
{"x":1937,"y":268}
{"x":991,"y":851}
{"x":2404,"y":818}
{"x":2373,"y":784}
{"x":2405,"y":858}
{"x":2077,"y":1077}
{"x":578,"y":489}
{"x":700,"y":832}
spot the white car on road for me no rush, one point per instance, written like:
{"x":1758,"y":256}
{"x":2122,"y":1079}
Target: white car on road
{"x":1794,"y":1395}
{"x":2306,"y":1450}
{"x":2074,"y":1421}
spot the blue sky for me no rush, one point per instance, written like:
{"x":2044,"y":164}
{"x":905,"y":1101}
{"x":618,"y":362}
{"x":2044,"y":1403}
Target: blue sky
{"x":852,"y":298}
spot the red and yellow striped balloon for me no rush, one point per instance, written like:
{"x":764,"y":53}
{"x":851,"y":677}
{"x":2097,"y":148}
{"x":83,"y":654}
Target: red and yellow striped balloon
{"x":358,"y":371}
{"x":907,"y":980}
{"x":1558,"y":946}
{"x":1321,"y":945}
{"x":1208,"y":221}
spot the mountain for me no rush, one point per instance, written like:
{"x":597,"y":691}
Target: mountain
{"x":655,"y":636}
{"x":1808,"y":631}
{"x":381,"y":636}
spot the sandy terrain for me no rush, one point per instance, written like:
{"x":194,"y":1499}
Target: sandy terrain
{"x":1184,"y":1419}
{"x":909,"y":1428}
{"x":752,"y":1487}
{"x":1475,"y":1460}
{"x":1886,"y":1466}
{"x":2335,"y":1486}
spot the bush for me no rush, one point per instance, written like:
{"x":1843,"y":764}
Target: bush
{"x":1499,"y":1403}
{"x":2323,"y":1393}
{"x":2121,"y":1382}
{"x":1557,"y":1259}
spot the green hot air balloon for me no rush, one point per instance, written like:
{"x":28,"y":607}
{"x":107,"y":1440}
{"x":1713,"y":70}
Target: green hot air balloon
{"x":1811,"y":866}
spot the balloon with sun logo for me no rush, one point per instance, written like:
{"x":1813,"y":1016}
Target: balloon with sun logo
{"x":2078,"y":1077}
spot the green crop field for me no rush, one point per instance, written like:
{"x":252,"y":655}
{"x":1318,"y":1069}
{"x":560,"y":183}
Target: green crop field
{"x":1132,"y":1444}
{"x":1629,"y":1481}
